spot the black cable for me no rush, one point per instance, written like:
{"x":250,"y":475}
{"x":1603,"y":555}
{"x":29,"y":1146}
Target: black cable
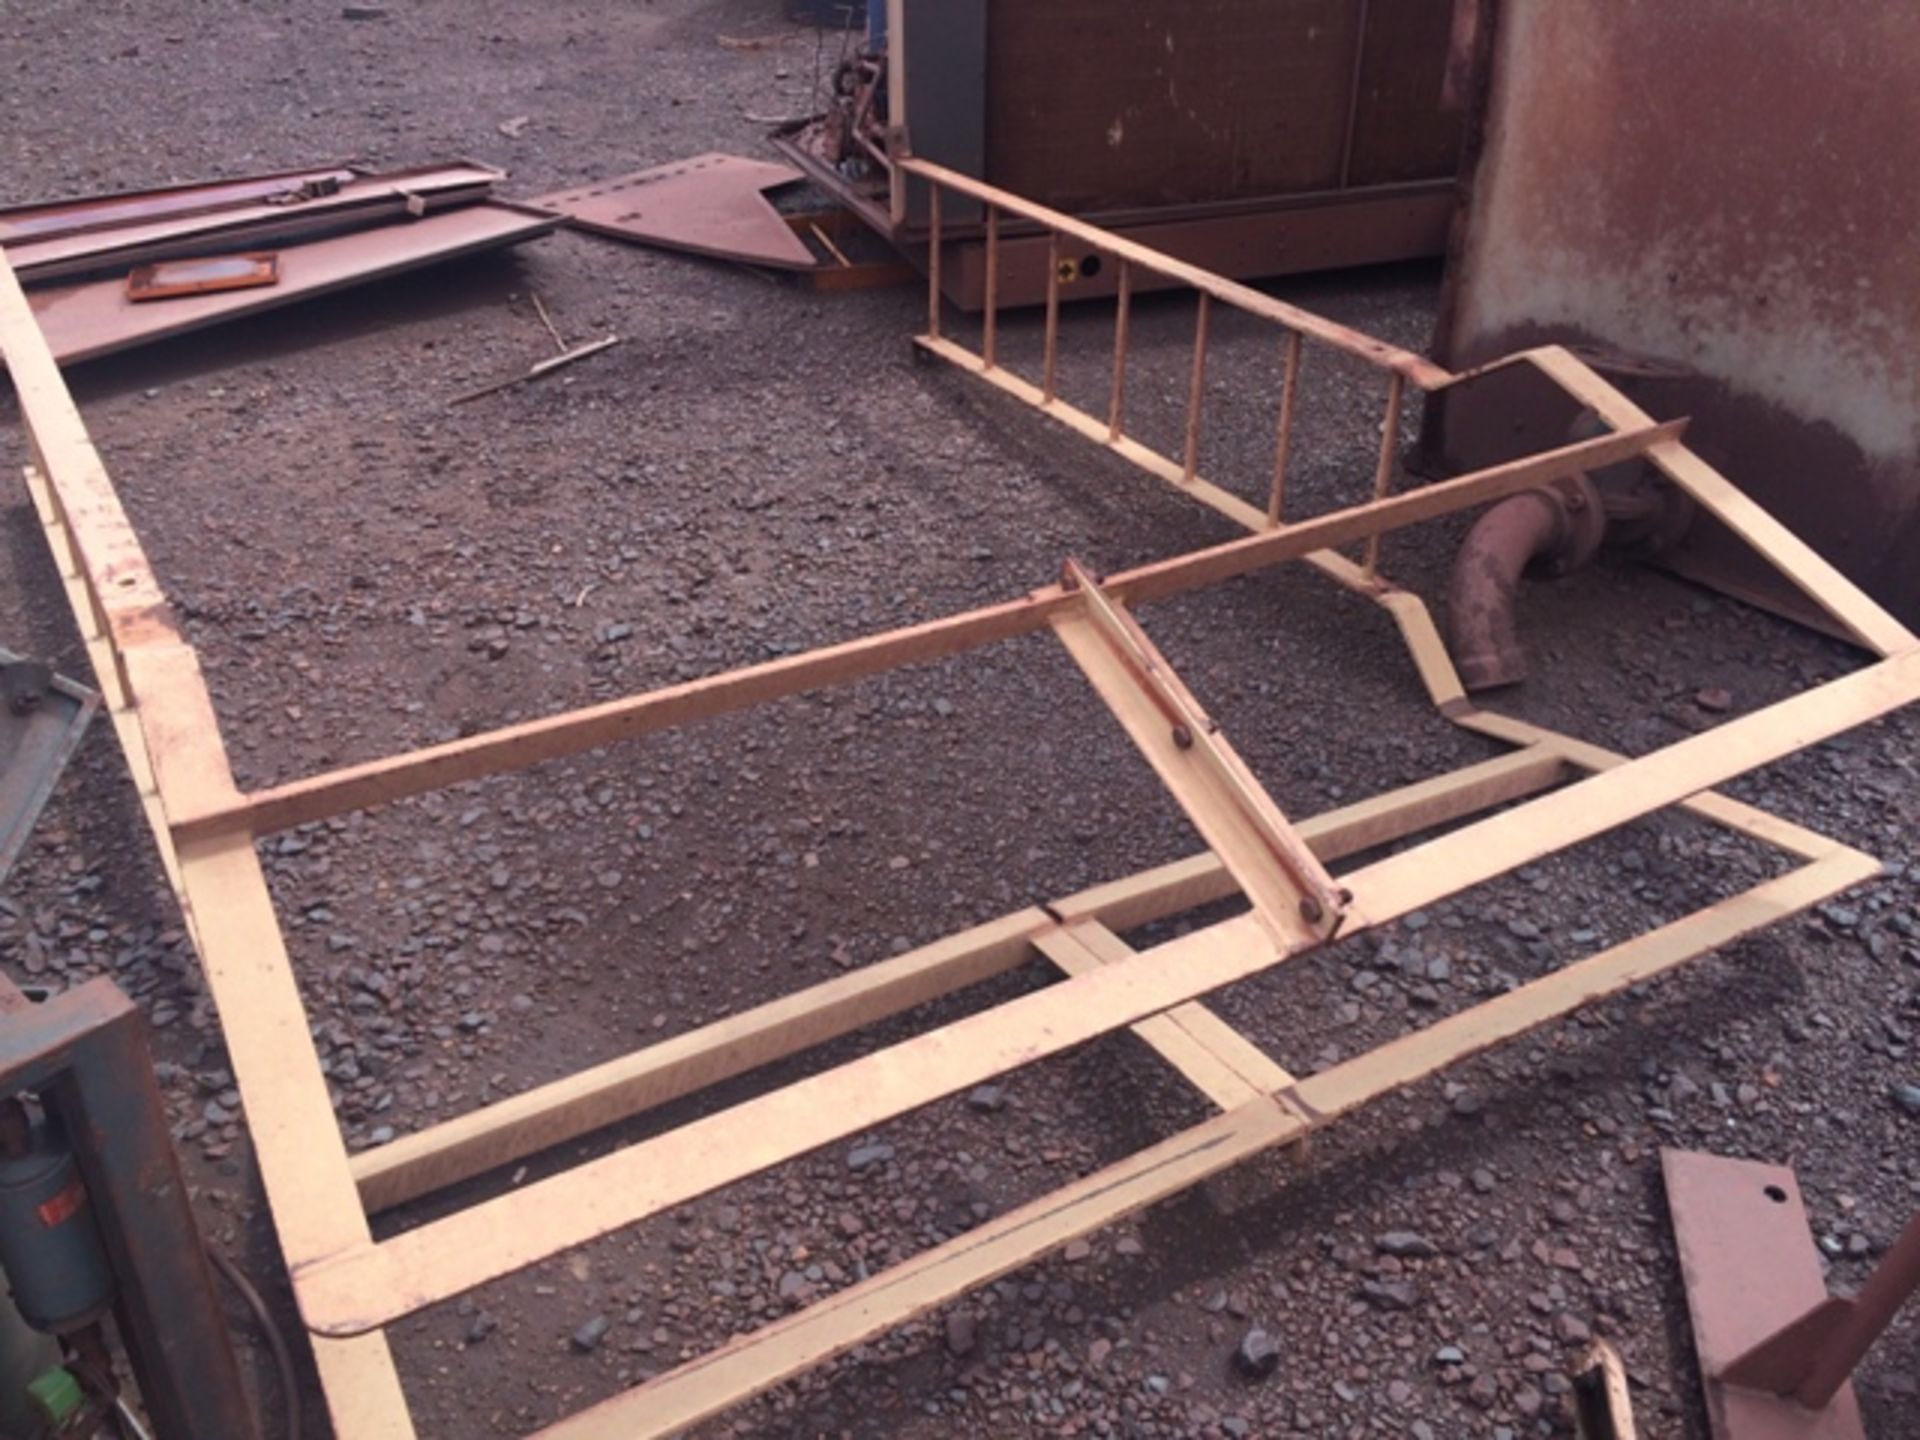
{"x":276,"y":1342}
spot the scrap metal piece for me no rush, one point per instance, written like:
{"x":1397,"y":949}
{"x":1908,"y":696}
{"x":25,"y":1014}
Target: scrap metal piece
{"x":42,"y":717}
{"x":1747,"y":1257}
{"x":217,"y":219}
{"x":20,"y":224}
{"x":711,"y":205}
{"x":170,"y":279}
{"x":97,"y":318}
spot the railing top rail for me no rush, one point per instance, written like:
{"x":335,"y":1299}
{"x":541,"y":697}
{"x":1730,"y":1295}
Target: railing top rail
{"x":1417,"y":369}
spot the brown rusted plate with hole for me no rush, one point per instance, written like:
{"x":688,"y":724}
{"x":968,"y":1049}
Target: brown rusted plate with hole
{"x":1748,"y":1261}
{"x":712,"y":205}
{"x":170,"y":279}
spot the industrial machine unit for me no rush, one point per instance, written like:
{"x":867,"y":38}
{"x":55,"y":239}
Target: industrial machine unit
{"x":1252,"y":137}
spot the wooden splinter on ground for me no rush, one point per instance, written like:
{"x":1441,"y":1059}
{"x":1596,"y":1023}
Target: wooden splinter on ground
{"x":1559,"y":791}
{"x":566,"y":356}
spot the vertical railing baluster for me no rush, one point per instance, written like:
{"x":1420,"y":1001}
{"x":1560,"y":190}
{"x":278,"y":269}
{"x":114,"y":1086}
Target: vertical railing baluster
{"x":990,"y":336}
{"x":933,"y":260}
{"x":1197,"y":386}
{"x":1383,"y":475}
{"x":1125,"y":300}
{"x":1289,"y":388}
{"x":1053,"y":320}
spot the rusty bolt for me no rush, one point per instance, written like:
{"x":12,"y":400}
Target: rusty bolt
{"x":1310,"y":910}
{"x":1182,"y":737}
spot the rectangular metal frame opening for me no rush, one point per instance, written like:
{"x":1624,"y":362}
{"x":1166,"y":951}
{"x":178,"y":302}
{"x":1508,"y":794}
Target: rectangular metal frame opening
{"x":1558,"y":792}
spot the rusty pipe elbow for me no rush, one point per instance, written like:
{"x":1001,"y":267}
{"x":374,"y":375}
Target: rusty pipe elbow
{"x":1545,"y":531}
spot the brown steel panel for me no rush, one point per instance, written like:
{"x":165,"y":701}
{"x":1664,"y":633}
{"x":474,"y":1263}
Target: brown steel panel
{"x":1105,"y":103}
{"x":1400,"y":131}
{"x":1746,"y":223}
{"x":96,"y":318}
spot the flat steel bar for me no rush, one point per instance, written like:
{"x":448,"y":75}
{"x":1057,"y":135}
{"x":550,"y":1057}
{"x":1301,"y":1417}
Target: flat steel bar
{"x":514,"y":747}
{"x":1222,"y":1064}
{"x":704,"y":1387}
{"x":366,"y":1286}
{"x":1476,"y":853}
{"x":511,"y":1129}
{"x":709,"y":1384}
{"x":1216,"y":1081}
{"x":222,"y":890}
{"x":1288,"y":888}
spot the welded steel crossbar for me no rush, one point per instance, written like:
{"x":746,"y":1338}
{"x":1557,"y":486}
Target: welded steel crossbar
{"x":1560,"y":791}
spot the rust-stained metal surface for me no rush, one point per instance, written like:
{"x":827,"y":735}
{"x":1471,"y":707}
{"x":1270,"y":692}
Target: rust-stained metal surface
{"x":1098,"y":105}
{"x":1747,"y":1257}
{"x":711,"y":204}
{"x":1723,"y":194}
{"x":82,"y":321}
{"x":170,"y":279}
{"x":22,"y":223}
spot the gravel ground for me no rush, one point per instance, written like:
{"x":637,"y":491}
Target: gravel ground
{"x":757,"y":470}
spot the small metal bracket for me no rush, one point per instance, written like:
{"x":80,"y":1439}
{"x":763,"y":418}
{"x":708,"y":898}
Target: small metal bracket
{"x":1775,"y":1349}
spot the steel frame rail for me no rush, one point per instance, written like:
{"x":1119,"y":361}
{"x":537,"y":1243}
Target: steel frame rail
{"x":349,"y":1287}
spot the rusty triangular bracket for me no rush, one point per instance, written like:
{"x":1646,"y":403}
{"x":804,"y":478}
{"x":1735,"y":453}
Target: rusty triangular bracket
{"x":709,"y":205}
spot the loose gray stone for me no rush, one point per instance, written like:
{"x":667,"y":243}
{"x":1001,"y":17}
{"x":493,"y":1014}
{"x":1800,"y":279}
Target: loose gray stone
{"x":1404,"y":1245}
{"x":1256,"y":1356}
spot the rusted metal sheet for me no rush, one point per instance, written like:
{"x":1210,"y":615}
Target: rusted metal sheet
{"x":234,"y":215}
{"x":1747,"y":1257}
{"x":711,"y":204}
{"x":84,"y":1055}
{"x":1721,"y":195}
{"x":20,"y":224}
{"x":1099,"y":105}
{"x":97,"y":318}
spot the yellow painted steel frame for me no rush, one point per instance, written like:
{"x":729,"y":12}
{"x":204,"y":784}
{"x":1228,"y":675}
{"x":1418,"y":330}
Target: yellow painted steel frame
{"x":1560,"y":790}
